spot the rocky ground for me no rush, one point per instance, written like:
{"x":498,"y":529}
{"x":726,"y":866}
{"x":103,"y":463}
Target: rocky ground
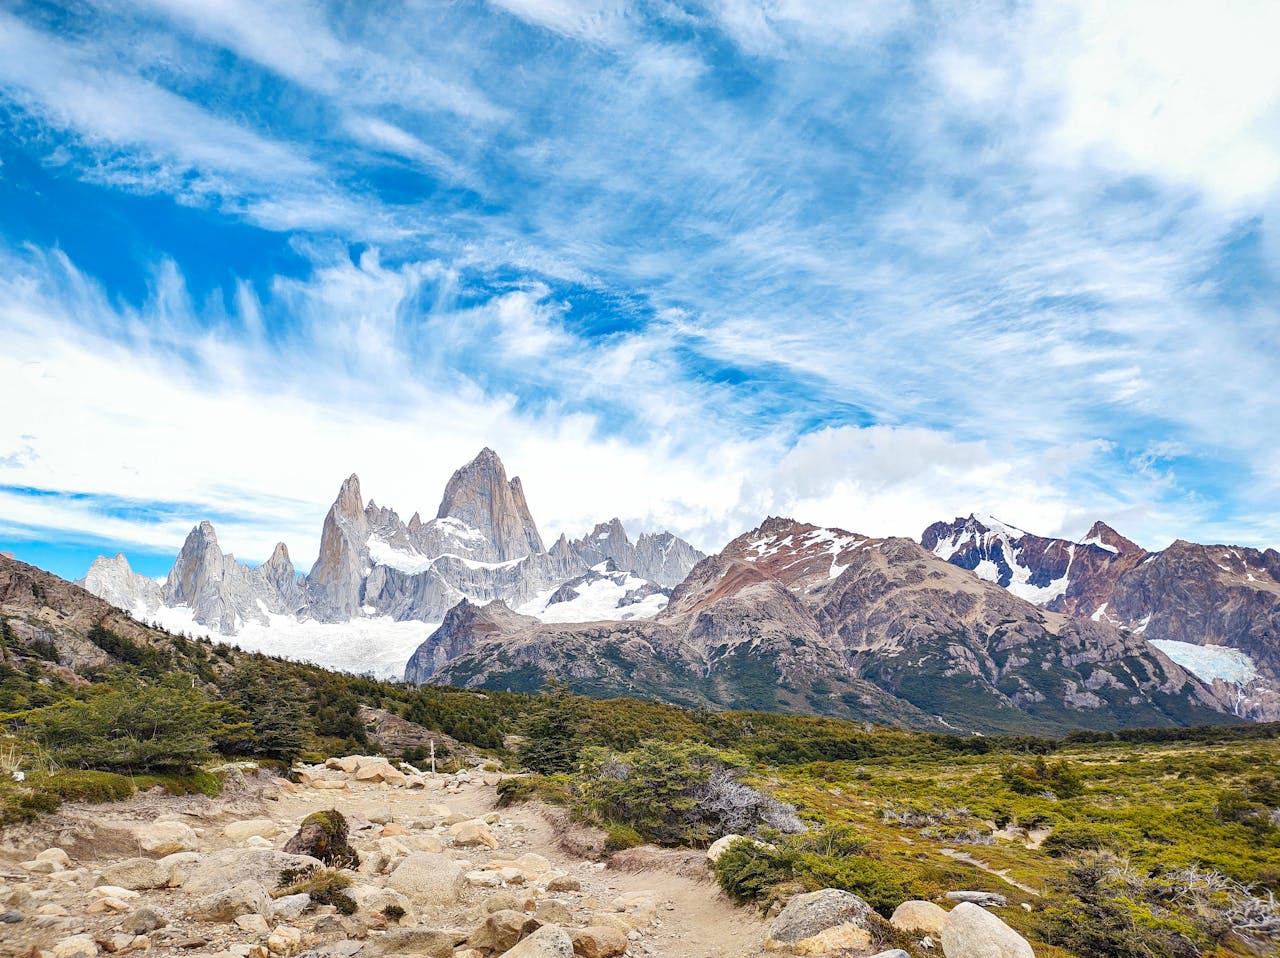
{"x":442,"y":873}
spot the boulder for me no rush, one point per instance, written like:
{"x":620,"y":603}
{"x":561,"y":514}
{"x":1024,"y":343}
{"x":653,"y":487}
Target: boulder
{"x":502,"y":930}
{"x":821,"y":922}
{"x":77,"y":946}
{"x":285,"y":941}
{"x":564,"y":883}
{"x":143,"y":920}
{"x":433,"y":942}
{"x":323,"y":835}
{"x":596,"y":941}
{"x":549,"y":941}
{"x":57,"y":855}
{"x":472,"y":833}
{"x":971,"y":931}
{"x":552,"y":912}
{"x":719,"y":845}
{"x":246,"y":898}
{"x":428,"y":877}
{"x":290,"y":907}
{"x":348,"y":763}
{"x":891,"y":953}
{"x":137,"y":873}
{"x":251,"y":828}
{"x":165,"y":838}
{"x":922,"y":916}
{"x":227,"y":867}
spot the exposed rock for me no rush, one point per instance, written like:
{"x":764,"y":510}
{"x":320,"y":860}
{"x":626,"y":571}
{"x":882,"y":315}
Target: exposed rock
{"x":323,"y":836}
{"x":564,"y":883}
{"x":229,"y":866}
{"x":166,"y":838}
{"x":596,"y":941}
{"x":986,"y":898}
{"x":253,"y":827}
{"x":137,"y":873}
{"x":923,"y":916}
{"x":970,"y":931}
{"x":77,"y":946}
{"x":433,"y":942}
{"x":245,"y":898}
{"x":822,"y":922}
{"x":144,"y":920}
{"x":472,"y":833}
{"x":549,"y":941}
{"x":502,"y":929}
{"x":428,"y":877}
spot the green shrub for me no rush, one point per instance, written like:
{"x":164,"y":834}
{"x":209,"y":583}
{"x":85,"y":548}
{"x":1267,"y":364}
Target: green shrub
{"x":748,"y":872}
{"x":133,"y":728}
{"x":1085,"y":836}
{"x":273,"y":700}
{"x":619,"y":837}
{"x":1059,"y":778}
{"x":326,"y":886}
{"x":198,"y":782}
{"x":552,"y":789}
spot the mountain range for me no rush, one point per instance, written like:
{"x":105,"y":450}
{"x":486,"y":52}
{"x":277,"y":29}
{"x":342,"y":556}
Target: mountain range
{"x":979,"y":626}
{"x":393,"y":581}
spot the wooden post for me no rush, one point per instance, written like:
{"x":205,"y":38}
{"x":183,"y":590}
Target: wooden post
{"x":433,"y":756}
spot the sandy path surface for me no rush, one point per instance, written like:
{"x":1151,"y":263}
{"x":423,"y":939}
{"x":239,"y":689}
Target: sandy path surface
{"x":692,"y":920}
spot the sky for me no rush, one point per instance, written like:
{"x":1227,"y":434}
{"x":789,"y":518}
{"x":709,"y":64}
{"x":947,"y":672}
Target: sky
{"x":691,"y":264}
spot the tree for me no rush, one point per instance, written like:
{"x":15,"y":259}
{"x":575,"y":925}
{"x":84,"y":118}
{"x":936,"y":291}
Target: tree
{"x":552,"y":743}
{"x":131,"y":727}
{"x":275,"y":703}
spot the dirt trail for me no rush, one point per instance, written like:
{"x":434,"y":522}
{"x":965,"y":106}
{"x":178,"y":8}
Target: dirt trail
{"x":694,"y":920}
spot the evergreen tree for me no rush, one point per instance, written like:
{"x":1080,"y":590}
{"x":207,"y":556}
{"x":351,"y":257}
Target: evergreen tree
{"x":551,"y":739}
{"x":275,"y":703}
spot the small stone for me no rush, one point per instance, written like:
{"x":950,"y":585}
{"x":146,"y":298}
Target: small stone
{"x":253,"y":922}
{"x":117,"y":942}
{"x":13,"y":917}
{"x":77,"y":946}
{"x":502,"y":930}
{"x":113,"y":891}
{"x":473,"y":833}
{"x":564,"y":883}
{"x":553,"y":912}
{"x":143,"y":920}
{"x":549,"y":941}
{"x":250,"y":828}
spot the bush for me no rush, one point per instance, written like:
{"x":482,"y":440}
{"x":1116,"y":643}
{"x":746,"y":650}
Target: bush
{"x":132,"y":729}
{"x":326,"y":886}
{"x":1058,"y":778}
{"x":677,"y":794}
{"x":747,"y":871}
{"x":78,"y":785}
{"x":1084,"y":836}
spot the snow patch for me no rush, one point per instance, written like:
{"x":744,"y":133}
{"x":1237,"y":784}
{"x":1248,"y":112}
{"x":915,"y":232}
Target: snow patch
{"x":1209,"y":662}
{"x":1097,"y":541}
{"x":599,"y":600}
{"x":379,"y":645}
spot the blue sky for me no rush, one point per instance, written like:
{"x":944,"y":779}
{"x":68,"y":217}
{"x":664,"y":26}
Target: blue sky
{"x":687,"y":263}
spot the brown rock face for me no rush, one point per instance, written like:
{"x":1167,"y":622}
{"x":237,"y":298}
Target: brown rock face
{"x":796,"y":617}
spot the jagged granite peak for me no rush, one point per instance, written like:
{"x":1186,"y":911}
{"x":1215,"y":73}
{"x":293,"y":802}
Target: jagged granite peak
{"x":480,"y":496}
{"x":464,"y":625}
{"x":224,"y":594}
{"x":113,"y":579}
{"x":335,"y":582}
{"x":657,"y":556}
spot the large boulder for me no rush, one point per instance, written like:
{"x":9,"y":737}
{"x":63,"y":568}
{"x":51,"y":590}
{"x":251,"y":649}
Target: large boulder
{"x":922,"y":916}
{"x":719,"y":846}
{"x":971,"y":931}
{"x":429,"y":878}
{"x":596,"y":941}
{"x":136,"y":873}
{"x":822,"y":922}
{"x":222,"y":869}
{"x":323,"y":835}
{"x":549,"y":941}
{"x":502,"y":930}
{"x":245,"y":898}
{"x":165,"y":838}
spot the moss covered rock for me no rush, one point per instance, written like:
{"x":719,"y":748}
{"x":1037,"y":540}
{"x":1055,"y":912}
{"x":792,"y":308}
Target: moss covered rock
{"x":323,"y":835}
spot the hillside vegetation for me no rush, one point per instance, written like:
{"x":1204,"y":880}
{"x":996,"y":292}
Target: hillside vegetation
{"x":1148,"y":842}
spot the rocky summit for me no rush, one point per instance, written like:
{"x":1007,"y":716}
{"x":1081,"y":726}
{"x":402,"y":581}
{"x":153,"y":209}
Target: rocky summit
{"x":1214,"y":609}
{"x":482,"y":545}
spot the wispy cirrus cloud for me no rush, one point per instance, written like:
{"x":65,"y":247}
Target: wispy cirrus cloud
{"x":729,"y":255}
